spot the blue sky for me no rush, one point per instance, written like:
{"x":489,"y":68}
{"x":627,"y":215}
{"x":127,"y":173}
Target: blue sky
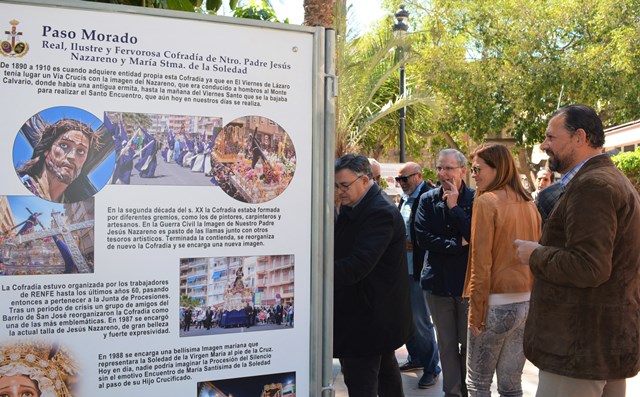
{"x":19,"y":205}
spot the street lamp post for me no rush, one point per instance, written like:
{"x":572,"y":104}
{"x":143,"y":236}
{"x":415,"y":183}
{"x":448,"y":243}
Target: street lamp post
{"x":400,"y":29}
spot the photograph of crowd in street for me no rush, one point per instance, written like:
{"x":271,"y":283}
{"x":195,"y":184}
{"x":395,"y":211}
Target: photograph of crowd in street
{"x":236,"y":294}
{"x":271,"y":385}
{"x":253,"y":159}
{"x":161,"y":149}
{"x":38,"y":237}
{"x":63,"y":154}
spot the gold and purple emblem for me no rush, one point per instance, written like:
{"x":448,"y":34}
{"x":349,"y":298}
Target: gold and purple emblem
{"x":12,"y":46}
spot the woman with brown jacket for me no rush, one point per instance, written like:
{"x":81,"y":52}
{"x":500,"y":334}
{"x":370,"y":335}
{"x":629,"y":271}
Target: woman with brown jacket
{"x":497,"y":284}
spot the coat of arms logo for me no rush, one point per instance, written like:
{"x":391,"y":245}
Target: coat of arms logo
{"x":12,"y":46}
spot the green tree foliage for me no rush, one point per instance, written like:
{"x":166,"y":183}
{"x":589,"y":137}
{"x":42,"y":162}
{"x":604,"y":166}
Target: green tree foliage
{"x":178,"y":5}
{"x":253,"y":9}
{"x":503,"y":66}
{"x":187,"y":301}
{"x":429,"y":173}
{"x":629,"y":164}
{"x":368,"y":71}
{"x":260,"y":10}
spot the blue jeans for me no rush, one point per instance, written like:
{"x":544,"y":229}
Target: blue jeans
{"x":422,"y":347}
{"x":499,"y":348}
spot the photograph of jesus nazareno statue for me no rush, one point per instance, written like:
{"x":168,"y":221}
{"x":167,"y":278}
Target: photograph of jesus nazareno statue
{"x":232,"y":294}
{"x":63,"y":154}
{"x":38,"y":237}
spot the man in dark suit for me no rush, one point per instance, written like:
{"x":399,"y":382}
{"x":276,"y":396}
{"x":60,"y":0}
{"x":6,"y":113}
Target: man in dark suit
{"x":372,"y":306}
{"x":208,"y":319}
{"x":422,"y":347}
{"x":188,"y":313}
{"x":546,"y":200}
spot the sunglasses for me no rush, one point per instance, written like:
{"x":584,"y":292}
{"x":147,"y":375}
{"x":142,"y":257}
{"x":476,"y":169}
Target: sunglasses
{"x":405,"y":178}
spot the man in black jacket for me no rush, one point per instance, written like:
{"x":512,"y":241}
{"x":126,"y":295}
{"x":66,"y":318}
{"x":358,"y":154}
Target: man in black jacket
{"x":372,"y":312}
{"x":422,"y":347}
{"x":443,"y":227}
{"x":546,"y":200}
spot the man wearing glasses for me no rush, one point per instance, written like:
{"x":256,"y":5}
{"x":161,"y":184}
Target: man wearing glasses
{"x":372,"y":315}
{"x":422,"y":347}
{"x":443,"y":227}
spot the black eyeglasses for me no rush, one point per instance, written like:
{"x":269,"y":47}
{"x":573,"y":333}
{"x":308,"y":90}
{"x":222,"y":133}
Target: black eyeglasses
{"x":405,"y":178}
{"x":447,"y":169}
{"x":345,"y":186}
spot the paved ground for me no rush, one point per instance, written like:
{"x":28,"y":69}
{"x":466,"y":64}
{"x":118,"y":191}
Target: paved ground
{"x":231,"y":330}
{"x":410,"y":381}
{"x":171,"y":174}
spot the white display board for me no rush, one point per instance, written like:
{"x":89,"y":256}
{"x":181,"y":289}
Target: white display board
{"x":154,"y":171}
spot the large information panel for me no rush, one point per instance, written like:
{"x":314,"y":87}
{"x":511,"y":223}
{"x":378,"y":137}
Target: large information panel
{"x":155,"y":204}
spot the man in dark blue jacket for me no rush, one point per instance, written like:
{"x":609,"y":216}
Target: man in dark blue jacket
{"x":372,"y":308}
{"x":443,"y":228}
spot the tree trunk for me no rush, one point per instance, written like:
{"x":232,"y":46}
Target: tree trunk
{"x":319,"y":13}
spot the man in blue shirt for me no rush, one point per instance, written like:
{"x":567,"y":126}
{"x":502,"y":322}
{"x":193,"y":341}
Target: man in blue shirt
{"x":422,"y":347}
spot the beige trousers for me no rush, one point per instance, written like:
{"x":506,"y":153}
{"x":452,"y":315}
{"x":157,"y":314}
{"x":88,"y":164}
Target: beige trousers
{"x":553,"y":385}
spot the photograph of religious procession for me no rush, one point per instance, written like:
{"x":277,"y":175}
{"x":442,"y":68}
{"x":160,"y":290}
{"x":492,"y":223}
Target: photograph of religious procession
{"x":63,"y":154}
{"x":37,"y":368}
{"x":162,"y":149}
{"x":253,"y":159}
{"x":272,"y":385}
{"x":38,"y":237}
{"x":223,"y":295}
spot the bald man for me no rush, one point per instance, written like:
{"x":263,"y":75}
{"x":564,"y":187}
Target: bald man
{"x":422,"y":348}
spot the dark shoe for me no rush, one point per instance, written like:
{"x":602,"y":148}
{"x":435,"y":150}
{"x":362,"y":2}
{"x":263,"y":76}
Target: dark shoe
{"x":409,"y":366}
{"x":427,"y":380}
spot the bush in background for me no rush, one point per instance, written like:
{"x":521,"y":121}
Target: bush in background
{"x":629,"y":164}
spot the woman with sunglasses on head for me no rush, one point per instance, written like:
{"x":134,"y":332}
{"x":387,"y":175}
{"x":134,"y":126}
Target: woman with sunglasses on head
{"x":497,"y":284}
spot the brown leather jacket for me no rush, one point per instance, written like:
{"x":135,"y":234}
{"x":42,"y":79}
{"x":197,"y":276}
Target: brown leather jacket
{"x":499,"y":218}
{"x":584,"y":318}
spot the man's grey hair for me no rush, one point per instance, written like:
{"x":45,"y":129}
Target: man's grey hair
{"x":356,"y":163}
{"x":462,"y":161}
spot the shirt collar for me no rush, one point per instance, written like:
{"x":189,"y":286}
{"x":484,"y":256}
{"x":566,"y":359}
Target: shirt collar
{"x":414,"y":195}
{"x":566,"y":178}
{"x":363,"y":196}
